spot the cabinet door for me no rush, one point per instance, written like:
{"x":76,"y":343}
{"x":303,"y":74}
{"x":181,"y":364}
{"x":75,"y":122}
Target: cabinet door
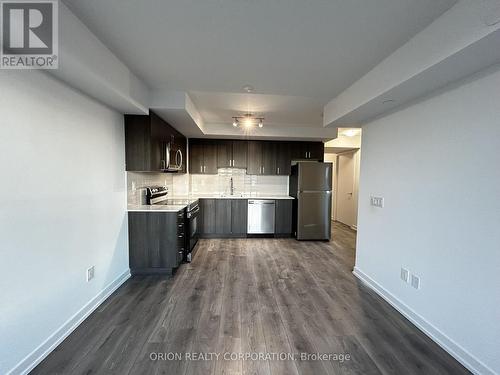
{"x":239,"y":215}
{"x":195,"y":158}
{"x":269,"y":158}
{"x":210,"y":158}
{"x":152,"y":242}
{"x":162,"y":233}
{"x":223,"y":216}
{"x":137,"y":143}
{"x":239,"y":151}
{"x":316,"y":150}
{"x":207,"y":207}
{"x":283,"y":159}
{"x":254,"y":161}
{"x":160,"y":137}
{"x":299,"y":150}
{"x":284,"y":216}
{"x":224,"y":154}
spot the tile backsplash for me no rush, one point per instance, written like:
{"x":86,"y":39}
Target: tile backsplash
{"x":185,"y":184}
{"x":138,"y":181}
{"x":243,"y":183}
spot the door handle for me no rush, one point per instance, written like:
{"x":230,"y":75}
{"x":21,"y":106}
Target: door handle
{"x":178,"y":158}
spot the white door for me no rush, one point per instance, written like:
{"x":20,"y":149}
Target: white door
{"x":346,"y":204}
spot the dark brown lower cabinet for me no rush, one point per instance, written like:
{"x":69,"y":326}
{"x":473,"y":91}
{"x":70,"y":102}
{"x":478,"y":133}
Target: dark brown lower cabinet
{"x":283,"y":224}
{"x":207,"y":207}
{"x":239,"y":213}
{"x":223,"y":216}
{"x":227,"y":218}
{"x":155,"y":241}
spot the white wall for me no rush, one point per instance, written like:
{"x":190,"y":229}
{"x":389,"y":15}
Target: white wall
{"x":437,"y":164}
{"x":62,"y":209}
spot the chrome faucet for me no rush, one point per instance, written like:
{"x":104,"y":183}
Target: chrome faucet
{"x":231,"y":186}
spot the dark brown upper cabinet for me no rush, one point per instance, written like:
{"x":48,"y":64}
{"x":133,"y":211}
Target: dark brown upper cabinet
{"x":307,"y":150}
{"x":254,"y":163}
{"x":283,"y":158}
{"x":148,"y":139}
{"x":262,"y":157}
{"x":257,"y":157}
{"x":269,"y":153}
{"x":231,"y":154}
{"x":202,"y":156}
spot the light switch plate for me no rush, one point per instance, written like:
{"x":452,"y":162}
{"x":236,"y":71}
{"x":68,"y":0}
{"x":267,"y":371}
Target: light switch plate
{"x":377,"y":201}
{"x":415,"y":281}
{"x":90,"y":273}
{"x":405,"y":275}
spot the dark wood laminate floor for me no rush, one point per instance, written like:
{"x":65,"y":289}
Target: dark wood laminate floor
{"x":251,"y":296}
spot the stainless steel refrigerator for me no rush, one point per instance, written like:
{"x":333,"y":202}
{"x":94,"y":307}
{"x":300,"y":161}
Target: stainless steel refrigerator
{"x":311,"y":185}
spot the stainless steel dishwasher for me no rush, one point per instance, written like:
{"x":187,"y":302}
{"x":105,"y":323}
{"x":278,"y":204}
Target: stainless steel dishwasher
{"x":261,"y":216}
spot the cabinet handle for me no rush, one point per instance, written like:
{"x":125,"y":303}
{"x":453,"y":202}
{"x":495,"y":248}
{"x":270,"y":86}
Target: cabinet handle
{"x":204,"y":168}
{"x":278,"y":170}
{"x":201,"y":168}
{"x":233,"y":162}
{"x":262,"y":169}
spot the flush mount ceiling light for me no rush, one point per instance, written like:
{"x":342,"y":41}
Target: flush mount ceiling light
{"x":248,"y":120}
{"x":350,"y":132}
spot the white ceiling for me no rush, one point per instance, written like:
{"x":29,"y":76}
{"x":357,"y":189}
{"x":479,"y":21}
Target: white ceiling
{"x":297,"y":54}
{"x":278,"y":110}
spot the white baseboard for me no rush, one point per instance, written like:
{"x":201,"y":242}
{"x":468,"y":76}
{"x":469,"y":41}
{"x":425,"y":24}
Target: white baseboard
{"x":455,"y":350}
{"x":39,"y":354}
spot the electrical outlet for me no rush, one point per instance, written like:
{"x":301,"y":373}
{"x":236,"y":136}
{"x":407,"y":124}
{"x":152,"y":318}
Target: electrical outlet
{"x":90,"y":273}
{"x":415,"y":281}
{"x":377,"y":201}
{"x":405,"y":275}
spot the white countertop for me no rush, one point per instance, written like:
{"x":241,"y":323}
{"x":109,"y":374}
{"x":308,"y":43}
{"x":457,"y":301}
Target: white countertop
{"x":192,"y":198}
{"x":154,"y":208}
{"x":237,"y":196}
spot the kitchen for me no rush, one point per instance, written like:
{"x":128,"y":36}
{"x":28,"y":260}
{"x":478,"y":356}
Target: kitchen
{"x":249,"y":187}
{"x":234,"y":189}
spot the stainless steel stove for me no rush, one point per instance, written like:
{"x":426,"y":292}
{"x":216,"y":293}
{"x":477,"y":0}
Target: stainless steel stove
{"x":159,"y":195}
